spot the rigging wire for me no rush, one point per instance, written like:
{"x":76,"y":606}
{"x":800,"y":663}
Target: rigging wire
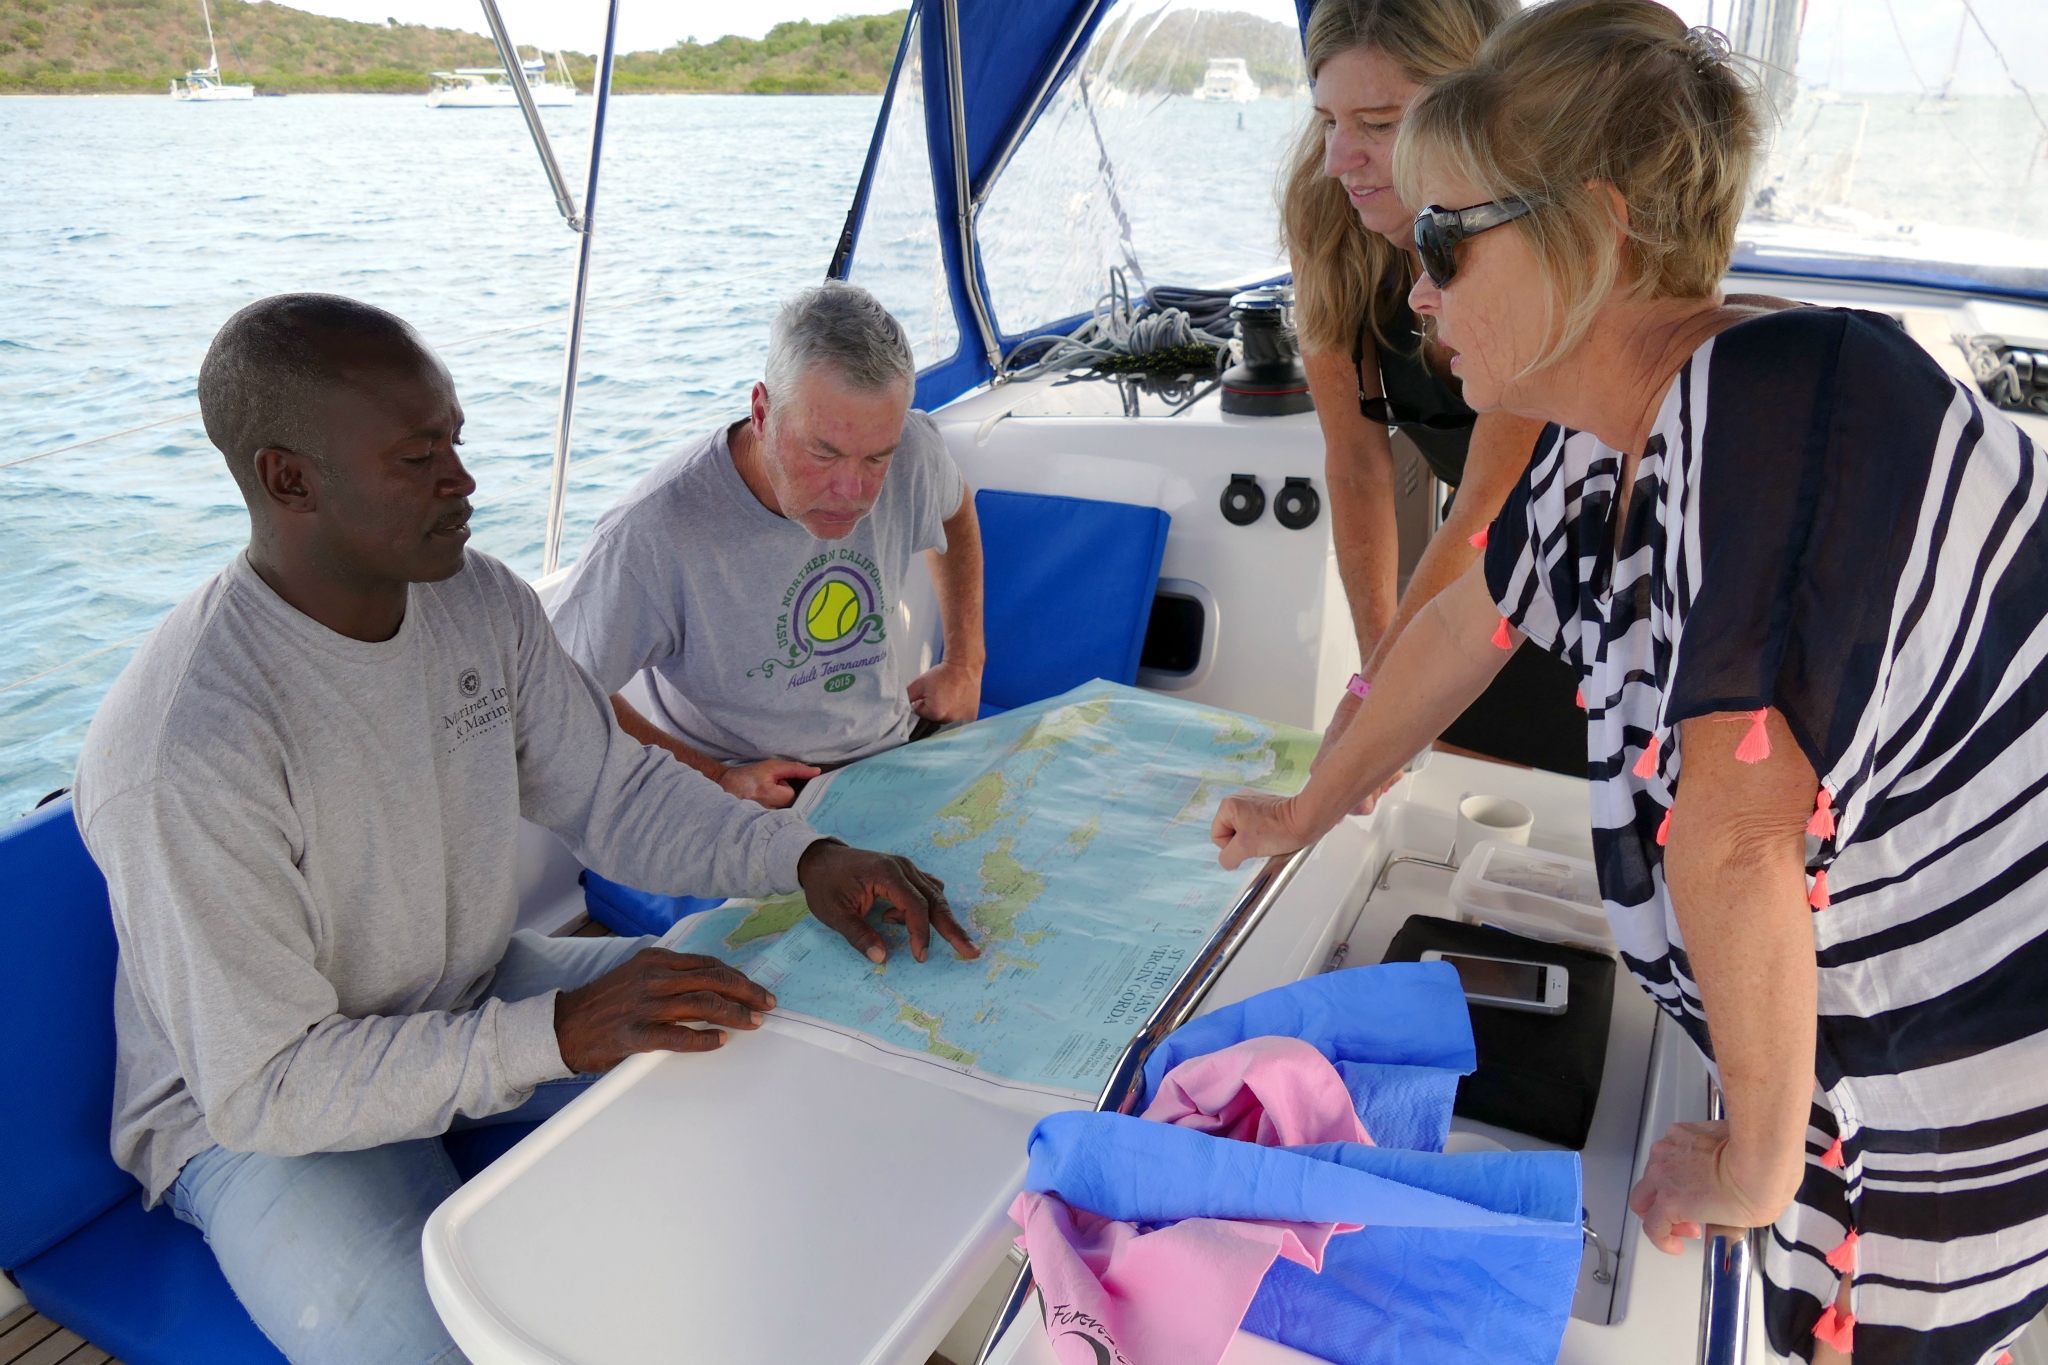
{"x":1927,"y":92}
{"x":2025,"y":93}
{"x":106,"y":649}
{"x":499,"y":496}
{"x":446,"y":346}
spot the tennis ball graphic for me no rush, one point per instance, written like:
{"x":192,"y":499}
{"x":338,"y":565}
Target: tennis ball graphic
{"x":833,"y":611}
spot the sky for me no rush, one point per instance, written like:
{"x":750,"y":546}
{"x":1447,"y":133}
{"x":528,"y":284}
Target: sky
{"x":1862,"y":44}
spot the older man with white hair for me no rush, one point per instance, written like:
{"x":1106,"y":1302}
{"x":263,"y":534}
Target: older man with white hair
{"x":755,"y":574}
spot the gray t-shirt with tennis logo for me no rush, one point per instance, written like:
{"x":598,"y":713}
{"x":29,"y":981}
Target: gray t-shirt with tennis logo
{"x":760,"y":640}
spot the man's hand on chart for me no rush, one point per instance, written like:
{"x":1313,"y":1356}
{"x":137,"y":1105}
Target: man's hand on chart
{"x":1689,"y":1182}
{"x":648,"y":1004}
{"x":946,"y":692}
{"x":766,"y":783}
{"x":1250,"y":824}
{"x":844,"y":885}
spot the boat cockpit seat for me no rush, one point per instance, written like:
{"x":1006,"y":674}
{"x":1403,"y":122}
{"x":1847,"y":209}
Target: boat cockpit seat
{"x":1069,"y":584}
{"x":73,"y":1233}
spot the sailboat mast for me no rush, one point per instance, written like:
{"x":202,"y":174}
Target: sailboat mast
{"x":212,"y":53}
{"x":1955,"y":58}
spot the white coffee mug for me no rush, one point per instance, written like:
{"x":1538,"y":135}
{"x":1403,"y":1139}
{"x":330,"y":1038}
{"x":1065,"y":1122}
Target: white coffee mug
{"x":1490,"y":817}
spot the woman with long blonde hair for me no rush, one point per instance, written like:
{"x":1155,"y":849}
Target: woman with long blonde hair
{"x":1351,"y":241}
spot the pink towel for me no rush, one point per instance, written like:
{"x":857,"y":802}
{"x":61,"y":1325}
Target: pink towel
{"x":1175,"y":1296}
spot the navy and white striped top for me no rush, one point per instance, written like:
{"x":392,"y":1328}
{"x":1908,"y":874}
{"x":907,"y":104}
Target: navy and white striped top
{"x":1826,"y":523}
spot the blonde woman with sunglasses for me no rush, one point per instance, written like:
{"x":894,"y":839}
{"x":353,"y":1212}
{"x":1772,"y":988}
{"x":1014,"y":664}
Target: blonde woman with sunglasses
{"x":1800,"y":572}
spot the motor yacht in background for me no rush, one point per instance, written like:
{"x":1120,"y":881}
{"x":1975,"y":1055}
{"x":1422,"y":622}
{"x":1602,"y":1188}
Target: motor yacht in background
{"x":1227,"y":81}
{"x":488,"y":87}
{"x":205,"y":86}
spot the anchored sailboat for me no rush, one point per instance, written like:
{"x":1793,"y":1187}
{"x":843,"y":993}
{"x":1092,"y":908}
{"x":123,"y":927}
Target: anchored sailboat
{"x":204,"y":86}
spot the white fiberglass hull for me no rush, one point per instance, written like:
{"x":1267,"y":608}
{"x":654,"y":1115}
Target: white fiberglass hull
{"x":211,"y":94}
{"x":545,"y":96}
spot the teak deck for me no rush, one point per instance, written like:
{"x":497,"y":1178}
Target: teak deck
{"x":29,"y":1338}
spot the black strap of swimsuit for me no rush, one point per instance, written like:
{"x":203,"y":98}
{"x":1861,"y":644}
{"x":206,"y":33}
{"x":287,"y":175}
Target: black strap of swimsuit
{"x":1358,"y":362}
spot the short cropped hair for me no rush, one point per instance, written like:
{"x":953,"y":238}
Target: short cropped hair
{"x":269,"y":367}
{"x":1573,"y":94}
{"x":841,"y":325}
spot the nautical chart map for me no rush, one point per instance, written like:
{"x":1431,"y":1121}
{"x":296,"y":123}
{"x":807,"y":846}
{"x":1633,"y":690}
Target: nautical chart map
{"x":1073,"y":839}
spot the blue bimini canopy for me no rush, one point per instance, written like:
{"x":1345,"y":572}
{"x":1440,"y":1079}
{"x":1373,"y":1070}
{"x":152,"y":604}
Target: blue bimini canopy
{"x":1005,"y":59}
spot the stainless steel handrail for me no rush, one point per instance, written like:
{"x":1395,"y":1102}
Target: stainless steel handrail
{"x":582,"y":224}
{"x":1724,"y":1283}
{"x":1121,"y":1093}
{"x":963,"y":196}
{"x":558,"y":485}
{"x":508,"y":53}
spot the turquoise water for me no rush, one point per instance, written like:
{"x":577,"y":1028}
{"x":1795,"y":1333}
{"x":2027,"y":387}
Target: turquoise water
{"x":136,"y":226}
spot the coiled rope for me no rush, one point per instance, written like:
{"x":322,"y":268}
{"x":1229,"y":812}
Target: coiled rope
{"x":1122,"y":335}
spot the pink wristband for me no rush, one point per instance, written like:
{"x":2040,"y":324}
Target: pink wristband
{"x":1358,"y":686}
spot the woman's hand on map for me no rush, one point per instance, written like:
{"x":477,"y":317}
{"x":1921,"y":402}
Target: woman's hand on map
{"x":766,"y":783}
{"x":649,"y":1003}
{"x":843,"y":885}
{"x":1251,"y":824}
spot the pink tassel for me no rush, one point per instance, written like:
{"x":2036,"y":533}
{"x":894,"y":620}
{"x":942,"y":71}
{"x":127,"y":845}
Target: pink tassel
{"x":1822,"y":825}
{"x":1832,"y":1158}
{"x":2004,"y":1358}
{"x":1837,"y":1330}
{"x":1818,"y":897}
{"x":1843,"y":1257}
{"x":1646,"y":766}
{"x":1664,"y":830}
{"x":1756,"y":745}
{"x":1478,"y":541}
{"x":1501,"y":638}
{"x":1580,"y":697}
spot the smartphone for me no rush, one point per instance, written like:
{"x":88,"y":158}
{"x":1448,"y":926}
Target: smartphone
{"x":1508,"y":984}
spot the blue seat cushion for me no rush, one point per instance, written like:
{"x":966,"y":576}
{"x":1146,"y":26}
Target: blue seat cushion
{"x":145,"y":1287}
{"x":624,"y":910}
{"x":56,"y":1036}
{"x":1068,"y":589}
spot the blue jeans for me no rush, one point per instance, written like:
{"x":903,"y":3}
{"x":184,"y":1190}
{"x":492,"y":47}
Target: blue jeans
{"x":324,"y":1250}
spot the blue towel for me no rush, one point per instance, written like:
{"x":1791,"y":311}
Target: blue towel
{"x":1462,"y":1260}
{"x":1400,"y":1036}
{"x":1408,"y":1107}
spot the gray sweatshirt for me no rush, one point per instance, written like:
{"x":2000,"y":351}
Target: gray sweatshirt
{"x":311,"y":841}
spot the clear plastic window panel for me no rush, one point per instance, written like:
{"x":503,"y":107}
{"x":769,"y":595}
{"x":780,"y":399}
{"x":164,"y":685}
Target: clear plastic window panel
{"x":897,"y":256}
{"x":1159,"y":155}
{"x":1913,"y":135}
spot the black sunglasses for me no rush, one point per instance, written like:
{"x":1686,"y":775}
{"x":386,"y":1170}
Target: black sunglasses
{"x":1438,"y":231}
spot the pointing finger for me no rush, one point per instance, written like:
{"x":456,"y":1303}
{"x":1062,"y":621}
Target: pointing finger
{"x":915,"y":908}
{"x":855,"y":930}
{"x":950,"y":930}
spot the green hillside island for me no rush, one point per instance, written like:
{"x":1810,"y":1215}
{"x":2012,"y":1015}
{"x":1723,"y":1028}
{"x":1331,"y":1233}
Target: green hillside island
{"x":137,"y":46}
